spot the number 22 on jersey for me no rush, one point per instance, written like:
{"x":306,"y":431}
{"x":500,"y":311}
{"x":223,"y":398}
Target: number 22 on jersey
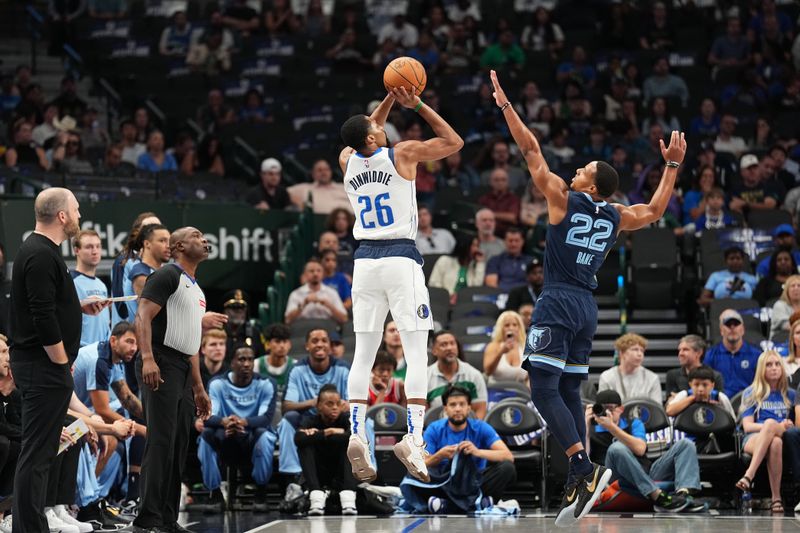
{"x":383,"y":213}
{"x":579,"y":236}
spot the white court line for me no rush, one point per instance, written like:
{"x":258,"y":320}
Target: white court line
{"x":265,"y":526}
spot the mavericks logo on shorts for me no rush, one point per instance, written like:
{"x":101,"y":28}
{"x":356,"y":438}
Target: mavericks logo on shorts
{"x":423,"y":312}
{"x":538,"y":339}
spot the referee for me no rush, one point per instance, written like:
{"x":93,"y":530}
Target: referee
{"x":168,"y":325}
{"x":45,"y":338}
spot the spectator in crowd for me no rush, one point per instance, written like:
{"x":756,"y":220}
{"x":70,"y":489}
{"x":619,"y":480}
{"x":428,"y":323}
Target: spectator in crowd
{"x":241,"y":17}
{"x":715,"y":215}
{"x":88,"y":250}
{"x":660,"y":112}
{"x":348,"y":54}
{"x":733,"y":282}
{"x":143,"y":123}
{"x":759,"y":21}
{"x":789,"y":301}
{"x":459,"y":52}
{"x":213,"y":360}
{"x":577,"y":69}
{"x":763,"y":137}
{"x":209,"y":55}
{"x":531,"y":102}
{"x":313,"y":299}
{"x":598,"y":147}
{"x":239,"y":429}
{"x":384,"y":387}
{"x":208,"y":157}
{"x":558,"y":150}
{"x":9,"y":97}
{"x":300,"y":400}
{"x":10,"y":422}
{"x":436,"y":24}
{"x":23,"y":151}
{"x":528,"y":293}
{"x":108,"y":9}
{"x":68,"y":100}
{"x":621,"y":445}
{"x":46,"y":131}
{"x":630,"y":379}
{"x":507,"y":270}
{"x":448,"y":370}
{"x":658,"y":32}
{"x":793,"y":360}
{"x":502,"y":358}
{"x":112,"y":163}
{"x":783,"y":239}
{"x":68,"y":154}
{"x":701,"y":388}
{"x":335,"y":279}
{"x":393,"y":345}
{"x":177,"y":37}
{"x":779,"y":154}
{"x":731,"y":50}
{"x":253,"y":110}
{"x":92,"y":134}
{"x":483,"y":457}
{"x":155,"y":159}
{"x":485,"y":224}
{"x":317,"y":20}
{"x":321,"y":444}
{"x":325,"y":194}
{"x":32,"y":105}
{"x":707,"y":123}
{"x":465,"y":267}
{"x":504,"y":54}
{"x":281,"y":20}
{"x":426,"y":52}
{"x":400,"y":31}
{"x":753,"y":192}
{"x":432,"y":240}
{"x":543,"y":35}
{"x":533,"y":206}
{"x":726,"y":141}
{"x":767,"y":406}
{"x":277,"y":364}
{"x":662,"y":83}
{"x":340,"y":222}
{"x":694,"y":203}
{"x":270,"y":194}
{"x":501,"y":157}
{"x":329,"y":241}
{"x":733,"y":357}
{"x":216,"y":113}
{"x":132,"y":149}
{"x":770,"y":287}
{"x":501,"y":200}
{"x":690,"y":357}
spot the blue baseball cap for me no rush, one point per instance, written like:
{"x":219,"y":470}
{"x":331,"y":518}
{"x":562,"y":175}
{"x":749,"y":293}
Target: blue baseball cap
{"x":783,"y":229}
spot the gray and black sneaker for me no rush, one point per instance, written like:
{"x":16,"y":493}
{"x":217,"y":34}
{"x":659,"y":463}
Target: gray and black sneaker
{"x":590,"y":488}
{"x":566,"y":513}
{"x":667,"y":503}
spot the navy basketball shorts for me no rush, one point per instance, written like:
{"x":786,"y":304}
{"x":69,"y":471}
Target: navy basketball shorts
{"x":562,"y":328}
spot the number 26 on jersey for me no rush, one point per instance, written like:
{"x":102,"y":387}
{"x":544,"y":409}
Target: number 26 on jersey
{"x":382,"y":212}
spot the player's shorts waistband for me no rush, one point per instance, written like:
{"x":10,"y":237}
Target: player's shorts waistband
{"x":566,"y":287}
{"x":377,"y":249}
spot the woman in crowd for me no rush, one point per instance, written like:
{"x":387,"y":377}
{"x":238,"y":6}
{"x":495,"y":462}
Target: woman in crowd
{"x":793,"y":360}
{"x":502,"y":358}
{"x":768,"y":413}
{"x":466,"y":267}
{"x":789,"y":301}
{"x":340,"y":221}
{"x":694,"y":203}
{"x":155,"y":159}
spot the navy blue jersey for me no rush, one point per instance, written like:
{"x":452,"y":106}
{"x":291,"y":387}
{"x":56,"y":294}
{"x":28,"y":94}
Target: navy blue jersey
{"x":575,"y":248}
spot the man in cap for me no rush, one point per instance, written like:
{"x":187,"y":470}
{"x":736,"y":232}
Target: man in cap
{"x":733,"y":357}
{"x":753,"y":192}
{"x":235,"y":307}
{"x":325,"y":194}
{"x":732,"y":282}
{"x":783,"y":237}
{"x":269,"y":194}
{"x":527,"y":294}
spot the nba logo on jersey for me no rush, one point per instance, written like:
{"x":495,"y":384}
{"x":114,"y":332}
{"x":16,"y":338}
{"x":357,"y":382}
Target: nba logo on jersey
{"x":366,"y":163}
{"x":538,"y":338}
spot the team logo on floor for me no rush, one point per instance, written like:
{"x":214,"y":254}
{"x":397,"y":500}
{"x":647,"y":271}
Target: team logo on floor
{"x":539,"y":339}
{"x":423,"y":311}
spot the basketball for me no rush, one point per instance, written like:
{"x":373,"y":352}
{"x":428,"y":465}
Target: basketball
{"x":405,"y":72}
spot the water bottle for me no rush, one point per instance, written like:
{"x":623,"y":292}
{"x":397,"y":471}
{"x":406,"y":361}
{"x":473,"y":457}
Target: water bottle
{"x":747,"y":503}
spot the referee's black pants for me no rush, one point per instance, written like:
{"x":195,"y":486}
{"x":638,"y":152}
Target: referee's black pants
{"x":168,"y":413}
{"x":46,"y":389}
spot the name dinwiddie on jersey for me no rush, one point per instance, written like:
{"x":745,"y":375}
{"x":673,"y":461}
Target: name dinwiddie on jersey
{"x":370,"y":176}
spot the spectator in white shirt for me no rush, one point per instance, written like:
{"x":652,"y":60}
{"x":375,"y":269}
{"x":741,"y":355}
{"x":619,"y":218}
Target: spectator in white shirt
{"x":432,"y":240}
{"x":325,"y":194}
{"x":630,"y":379}
{"x":457,"y":10}
{"x":313,"y":299}
{"x":726,"y":140}
{"x":46,"y":130}
{"x":399,"y":31}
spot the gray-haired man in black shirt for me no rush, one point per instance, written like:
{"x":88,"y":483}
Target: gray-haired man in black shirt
{"x":45,"y":338}
{"x":169,"y":322}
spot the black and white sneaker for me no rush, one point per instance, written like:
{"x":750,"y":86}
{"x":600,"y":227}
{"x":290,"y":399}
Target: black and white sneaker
{"x":566,"y":513}
{"x":95,"y":515}
{"x":674,"y":503}
{"x":590,"y":488}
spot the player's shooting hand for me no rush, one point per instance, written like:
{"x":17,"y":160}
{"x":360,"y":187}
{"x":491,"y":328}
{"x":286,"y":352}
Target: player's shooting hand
{"x":404,"y":98}
{"x":499,"y":94}
{"x":676,"y":149}
{"x":151,"y":374}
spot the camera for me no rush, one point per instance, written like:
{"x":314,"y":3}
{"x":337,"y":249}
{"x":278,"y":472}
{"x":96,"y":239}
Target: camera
{"x":598,"y":410}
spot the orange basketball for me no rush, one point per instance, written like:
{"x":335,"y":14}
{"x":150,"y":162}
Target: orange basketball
{"x":405,"y":72}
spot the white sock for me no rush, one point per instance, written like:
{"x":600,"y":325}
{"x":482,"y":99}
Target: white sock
{"x":358,"y":419}
{"x":416,"y":419}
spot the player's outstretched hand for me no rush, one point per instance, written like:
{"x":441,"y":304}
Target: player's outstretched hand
{"x":676,"y":149}
{"x":499,"y":94}
{"x":404,"y":98}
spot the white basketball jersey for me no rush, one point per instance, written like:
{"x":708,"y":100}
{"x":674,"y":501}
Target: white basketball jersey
{"x":385,"y":203}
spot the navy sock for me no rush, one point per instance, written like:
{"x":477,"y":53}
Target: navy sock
{"x":579,"y":466}
{"x":133,"y":485}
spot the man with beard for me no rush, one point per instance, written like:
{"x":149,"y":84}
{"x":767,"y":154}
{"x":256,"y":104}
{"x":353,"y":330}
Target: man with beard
{"x":154,"y":243}
{"x":169,"y":324}
{"x":449,"y":370}
{"x":239,"y":429}
{"x":467,"y":438}
{"x":88,"y":248}
{"x":45,"y":334}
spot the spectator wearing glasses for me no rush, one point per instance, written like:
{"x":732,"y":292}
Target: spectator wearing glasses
{"x":432,"y":240}
{"x":733,"y":357}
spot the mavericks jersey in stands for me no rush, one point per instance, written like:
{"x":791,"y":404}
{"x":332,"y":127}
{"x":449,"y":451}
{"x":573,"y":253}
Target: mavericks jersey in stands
{"x":385,"y":203}
{"x":575,"y":248}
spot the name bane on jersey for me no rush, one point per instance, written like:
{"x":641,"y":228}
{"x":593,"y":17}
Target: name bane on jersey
{"x":370,"y":176}
{"x":584,"y":258}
